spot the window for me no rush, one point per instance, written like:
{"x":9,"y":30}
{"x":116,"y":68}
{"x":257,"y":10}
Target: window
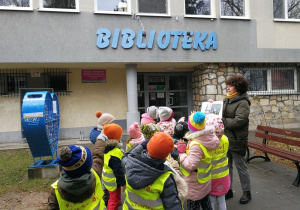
{"x":199,"y":8}
{"x":272,"y":80}
{"x":113,"y":6}
{"x":59,"y":5}
{"x":286,"y":9}
{"x":58,"y":79}
{"x":11,"y":80}
{"x":16,"y":4}
{"x":234,"y":9}
{"x":153,"y":7}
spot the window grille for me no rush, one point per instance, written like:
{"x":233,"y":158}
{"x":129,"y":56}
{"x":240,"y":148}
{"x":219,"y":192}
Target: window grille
{"x":272,"y":80}
{"x":58,"y":79}
{"x":11,"y":80}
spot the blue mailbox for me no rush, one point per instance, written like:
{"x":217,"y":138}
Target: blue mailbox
{"x":40,"y":121}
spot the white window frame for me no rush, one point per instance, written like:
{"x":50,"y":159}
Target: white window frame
{"x":41,"y":8}
{"x":212,"y":11}
{"x":245,"y":17}
{"x":30,"y":8}
{"x":168,"y":14}
{"x":96,"y":11}
{"x":285,"y":19}
{"x":269,"y":90}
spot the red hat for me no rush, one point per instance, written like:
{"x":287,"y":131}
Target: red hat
{"x":113,"y":131}
{"x":160,"y":145}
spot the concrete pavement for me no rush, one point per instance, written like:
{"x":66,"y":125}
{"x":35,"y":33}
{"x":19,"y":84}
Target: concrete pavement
{"x":271,"y":183}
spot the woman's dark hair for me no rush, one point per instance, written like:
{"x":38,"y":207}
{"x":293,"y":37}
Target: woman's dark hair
{"x":239,"y":82}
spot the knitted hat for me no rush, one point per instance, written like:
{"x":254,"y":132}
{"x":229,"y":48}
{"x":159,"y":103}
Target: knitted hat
{"x":160,"y":145}
{"x":216,"y":122}
{"x":196,"y":121}
{"x":165,"y":113}
{"x":149,"y":129}
{"x":112,"y":131}
{"x":134,"y":130}
{"x":152,"y":111}
{"x":75,"y":160}
{"x":180,"y":129}
{"x":146,"y":119}
{"x":104,"y":118}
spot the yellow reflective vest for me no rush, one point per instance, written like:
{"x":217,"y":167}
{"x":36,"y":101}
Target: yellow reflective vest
{"x":219,"y":163}
{"x":92,"y":203}
{"x":108,"y":177}
{"x":146,"y":198}
{"x":204,"y":166}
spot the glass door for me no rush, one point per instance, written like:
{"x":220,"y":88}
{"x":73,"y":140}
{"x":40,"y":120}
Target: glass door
{"x":166,"y":89}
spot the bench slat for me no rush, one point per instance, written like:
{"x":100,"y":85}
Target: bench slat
{"x":279,"y":131}
{"x":275,"y":151}
{"x":278,"y":139}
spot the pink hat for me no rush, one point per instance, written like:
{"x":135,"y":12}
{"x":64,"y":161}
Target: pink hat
{"x":146,"y":119}
{"x":134,"y":130}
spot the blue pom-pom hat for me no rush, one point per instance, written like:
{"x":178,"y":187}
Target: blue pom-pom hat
{"x":79,"y":160}
{"x":196,"y":121}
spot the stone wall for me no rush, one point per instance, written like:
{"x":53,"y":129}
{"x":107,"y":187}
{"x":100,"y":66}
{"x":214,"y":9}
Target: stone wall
{"x":281,"y":111}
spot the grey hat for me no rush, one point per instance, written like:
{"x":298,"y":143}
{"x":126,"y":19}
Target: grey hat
{"x":152,"y":111}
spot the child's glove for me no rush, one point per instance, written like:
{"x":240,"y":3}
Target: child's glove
{"x":181,"y":147}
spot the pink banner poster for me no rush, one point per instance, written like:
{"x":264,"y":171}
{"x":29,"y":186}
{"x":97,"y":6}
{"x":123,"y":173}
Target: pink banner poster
{"x":93,"y":75}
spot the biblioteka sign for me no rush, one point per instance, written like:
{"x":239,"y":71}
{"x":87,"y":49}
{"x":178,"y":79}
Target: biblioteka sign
{"x":189,"y":39}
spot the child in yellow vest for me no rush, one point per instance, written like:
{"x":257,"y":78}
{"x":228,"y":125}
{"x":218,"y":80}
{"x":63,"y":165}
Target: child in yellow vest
{"x":219,"y":169}
{"x":150,"y":182}
{"x":80,"y":183}
{"x":113,"y":175}
{"x":195,"y":161}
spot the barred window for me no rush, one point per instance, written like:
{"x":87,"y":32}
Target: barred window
{"x":272,"y":80}
{"x":11,"y":80}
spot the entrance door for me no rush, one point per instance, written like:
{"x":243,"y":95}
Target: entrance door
{"x":173,"y":90}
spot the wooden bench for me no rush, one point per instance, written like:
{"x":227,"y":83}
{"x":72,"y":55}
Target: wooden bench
{"x":283,"y":136}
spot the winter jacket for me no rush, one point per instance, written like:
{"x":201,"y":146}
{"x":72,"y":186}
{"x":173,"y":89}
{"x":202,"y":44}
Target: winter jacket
{"x":236,"y":122}
{"x":167,"y":126}
{"x":79,"y":189}
{"x":190,"y":162}
{"x":142,"y":170}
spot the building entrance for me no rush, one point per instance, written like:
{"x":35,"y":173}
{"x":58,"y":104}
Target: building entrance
{"x":173,"y":90}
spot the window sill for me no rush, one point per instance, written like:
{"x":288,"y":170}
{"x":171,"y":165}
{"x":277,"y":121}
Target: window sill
{"x":201,"y":16}
{"x":112,"y":13}
{"x":153,"y":15}
{"x":59,"y":10}
{"x":235,"y":18}
{"x":17,"y":8}
{"x":287,"y":20}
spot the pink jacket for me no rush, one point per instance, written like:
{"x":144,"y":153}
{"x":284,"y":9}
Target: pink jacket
{"x":209,"y":140}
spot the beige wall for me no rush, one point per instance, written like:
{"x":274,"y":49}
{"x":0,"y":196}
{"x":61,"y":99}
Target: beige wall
{"x":270,"y":33}
{"x":10,"y":119}
{"x":77,"y":109}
